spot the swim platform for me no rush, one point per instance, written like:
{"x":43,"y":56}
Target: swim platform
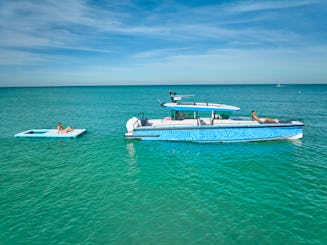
{"x":50,"y":133}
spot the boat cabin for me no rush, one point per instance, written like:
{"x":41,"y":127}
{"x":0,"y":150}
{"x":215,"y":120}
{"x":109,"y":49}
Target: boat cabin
{"x":181,"y":115}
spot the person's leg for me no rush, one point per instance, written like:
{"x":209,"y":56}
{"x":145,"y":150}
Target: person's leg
{"x":68,"y":129}
{"x":268,"y":120}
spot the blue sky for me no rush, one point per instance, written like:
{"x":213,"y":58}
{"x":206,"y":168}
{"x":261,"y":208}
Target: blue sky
{"x":45,"y":43}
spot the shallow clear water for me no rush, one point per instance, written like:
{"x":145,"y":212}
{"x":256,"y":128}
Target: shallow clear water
{"x":102,"y":188}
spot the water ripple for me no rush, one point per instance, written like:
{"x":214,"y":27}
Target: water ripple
{"x":102,"y":188}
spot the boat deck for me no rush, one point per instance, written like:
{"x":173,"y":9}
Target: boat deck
{"x":197,"y":122}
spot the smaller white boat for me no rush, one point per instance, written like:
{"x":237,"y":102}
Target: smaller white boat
{"x":50,"y":133}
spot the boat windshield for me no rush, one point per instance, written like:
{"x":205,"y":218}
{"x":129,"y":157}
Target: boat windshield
{"x":223,"y":115}
{"x":181,"y":115}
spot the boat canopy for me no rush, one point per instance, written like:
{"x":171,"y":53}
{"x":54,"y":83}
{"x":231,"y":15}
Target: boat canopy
{"x":197,"y":106}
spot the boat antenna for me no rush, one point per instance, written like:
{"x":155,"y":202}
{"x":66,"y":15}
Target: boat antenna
{"x":160,"y":102}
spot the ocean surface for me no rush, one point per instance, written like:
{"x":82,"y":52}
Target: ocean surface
{"x":101,"y":188}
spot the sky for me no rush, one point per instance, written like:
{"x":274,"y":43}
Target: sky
{"x":125,"y":42}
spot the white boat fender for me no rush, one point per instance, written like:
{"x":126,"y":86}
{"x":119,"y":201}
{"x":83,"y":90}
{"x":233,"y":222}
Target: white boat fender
{"x":132,"y":123}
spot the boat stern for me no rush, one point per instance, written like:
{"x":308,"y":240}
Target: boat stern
{"x":132,"y":124}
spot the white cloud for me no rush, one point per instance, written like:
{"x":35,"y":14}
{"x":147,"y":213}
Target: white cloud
{"x":52,"y":24}
{"x":251,"y":6}
{"x":18,"y":57}
{"x":157,"y":53}
{"x":213,"y":66}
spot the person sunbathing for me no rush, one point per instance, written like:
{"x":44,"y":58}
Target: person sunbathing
{"x":63,"y":131}
{"x":263,"y":120}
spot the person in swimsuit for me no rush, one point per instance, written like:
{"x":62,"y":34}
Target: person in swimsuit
{"x":61,"y":130}
{"x":263,"y":120}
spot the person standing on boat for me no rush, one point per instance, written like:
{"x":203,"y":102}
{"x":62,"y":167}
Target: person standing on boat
{"x":172,"y":96}
{"x":263,"y":120}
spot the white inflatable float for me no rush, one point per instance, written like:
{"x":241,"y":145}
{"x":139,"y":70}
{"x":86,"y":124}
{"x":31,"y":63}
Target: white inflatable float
{"x":50,"y":133}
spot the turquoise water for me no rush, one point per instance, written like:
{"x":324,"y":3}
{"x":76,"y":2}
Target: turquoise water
{"x":104,"y":189}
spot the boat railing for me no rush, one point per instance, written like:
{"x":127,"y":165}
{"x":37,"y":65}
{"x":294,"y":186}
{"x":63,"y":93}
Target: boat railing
{"x":186,"y":103}
{"x":142,"y":118}
{"x":194,"y":103}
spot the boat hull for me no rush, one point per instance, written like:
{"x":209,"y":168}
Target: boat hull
{"x":220,"y":133}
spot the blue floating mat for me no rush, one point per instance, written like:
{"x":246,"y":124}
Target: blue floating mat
{"x":50,"y":133}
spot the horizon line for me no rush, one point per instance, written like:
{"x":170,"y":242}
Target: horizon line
{"x":149,"y":85}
